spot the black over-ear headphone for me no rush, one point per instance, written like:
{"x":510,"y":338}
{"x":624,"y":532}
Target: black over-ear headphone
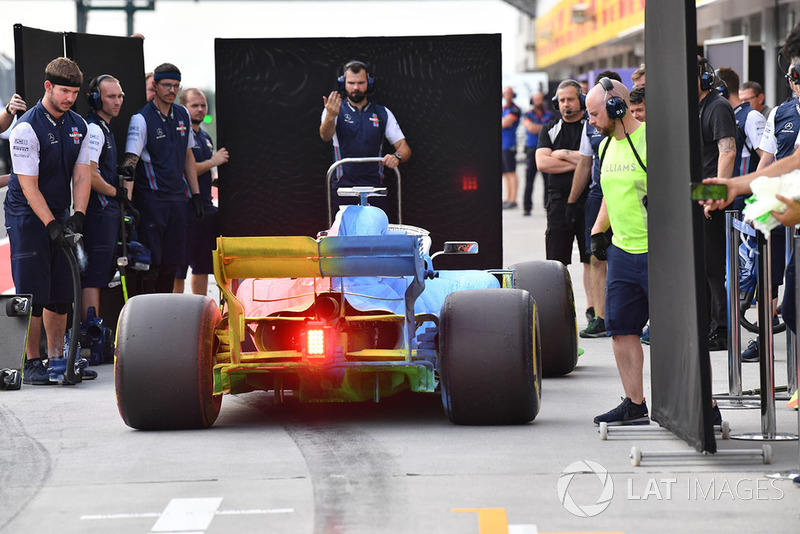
{"x":722,"y":87}
{"x":707,"y":76}
{"x":615,"y":106}
{"x":93,"y":96}
{"x":370,"y":79}
{"x":572,"y":83}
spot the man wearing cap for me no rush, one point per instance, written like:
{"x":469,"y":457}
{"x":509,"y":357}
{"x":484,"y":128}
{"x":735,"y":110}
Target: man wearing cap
{"x":48,"y":155}
{"x":159,"y":145}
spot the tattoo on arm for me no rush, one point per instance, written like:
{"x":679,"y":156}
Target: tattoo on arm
{"x":130,"y":159}
{"x":726,"y":144}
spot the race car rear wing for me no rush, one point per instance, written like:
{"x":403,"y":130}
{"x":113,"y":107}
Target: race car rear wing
{"x":302,"y":256}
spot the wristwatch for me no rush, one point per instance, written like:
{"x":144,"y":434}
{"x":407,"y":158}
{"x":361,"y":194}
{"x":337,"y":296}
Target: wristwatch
{"x":398,"y":156}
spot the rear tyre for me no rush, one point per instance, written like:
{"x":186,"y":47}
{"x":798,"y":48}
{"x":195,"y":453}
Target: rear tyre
{"x":550,"y":285}
{"x":164,"y":362}
{"x":489,"y":365}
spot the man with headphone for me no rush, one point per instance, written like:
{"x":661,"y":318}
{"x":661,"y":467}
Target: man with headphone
{"x":588,"y":173}
{"x":356,"y":128}
{"x":623,"y":176}
{"x":557,"y":156}
{"x":49,"y":156}
{"x":159,"y":145}
{"x":101,"y":228}
{"x":718,"y":135}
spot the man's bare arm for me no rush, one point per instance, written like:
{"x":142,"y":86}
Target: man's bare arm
{"x":545,"y":162}
{"x":727,"y":157}
{"x":583,"y":173}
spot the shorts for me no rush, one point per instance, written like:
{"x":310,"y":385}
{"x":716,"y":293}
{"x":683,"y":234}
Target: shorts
{"x":200,"y":243}
{"x":39,"y":267}
{"x":509,"y":161}
{"x":627,"y":293}
{"x":162,"y":227}
{"x":100,"y":237}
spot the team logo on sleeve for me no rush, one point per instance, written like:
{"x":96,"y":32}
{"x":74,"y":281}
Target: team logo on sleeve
{"x":376,"y":122}
{"x":76,"y":135}
{"x":181,"y":128}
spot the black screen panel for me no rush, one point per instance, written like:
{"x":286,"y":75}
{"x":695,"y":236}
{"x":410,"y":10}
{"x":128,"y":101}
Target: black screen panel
{"x":123,"y":58}
{"x":445,"y":93}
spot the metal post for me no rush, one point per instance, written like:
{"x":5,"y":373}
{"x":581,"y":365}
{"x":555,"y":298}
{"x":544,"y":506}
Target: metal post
{"x":766,"y":345}
{"x":734,"y":330}
{"x":793,"y":473}
{"x":734,"y":399}
{"x":765,"y":348}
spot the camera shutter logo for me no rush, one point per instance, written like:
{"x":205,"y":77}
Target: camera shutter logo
{"x":584,"y":467}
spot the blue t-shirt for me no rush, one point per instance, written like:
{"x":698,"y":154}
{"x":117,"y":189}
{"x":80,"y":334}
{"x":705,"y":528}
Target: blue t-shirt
{"x":203,"y":149}
{"x":359,"y":134}
{"x":532,"y":140}
{"x":787,"y":122}
{"x":59,"y":146}
{"x":161,"y":142}
{"x":509,"y":135}
{"x":106,"y":166}
{"x":594,"y":138}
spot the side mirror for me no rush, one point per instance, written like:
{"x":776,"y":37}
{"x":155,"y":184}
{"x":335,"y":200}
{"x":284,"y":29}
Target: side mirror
{"x":458,"y":247}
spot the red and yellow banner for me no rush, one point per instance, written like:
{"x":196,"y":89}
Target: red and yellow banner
{"x":560,"y":34}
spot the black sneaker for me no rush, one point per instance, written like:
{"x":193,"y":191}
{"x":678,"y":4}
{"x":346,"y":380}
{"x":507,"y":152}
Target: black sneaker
{"x":35,"y":373}
{"x":88,"y":374}
{"x":526,"y":213}
{"x":717,"y":421}
{"x":589,"y":314}
{"x":596,"y":328}
{"x":750,"y":354}
{"x":718,"y":341}
{"x":627,"y":413}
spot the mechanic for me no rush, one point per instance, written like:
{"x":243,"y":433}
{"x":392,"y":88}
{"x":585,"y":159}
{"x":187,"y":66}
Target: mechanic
{"x":623,"y":177}
{"x":48,"y":152}
{"x":588,"y":168}
{"x":638,"y":76}
{"x":159,"y":145}
{"x":637,"y":103}
{"x":753,"y":93}
{"x":777,"y":141}
{"x":557,"y":156}
{"x":101,"y":228}
{"x":532,"y":121}
{"x":149,"y":87}
{"x":718,"y":135}
{"x":357,"y":127}
{"x":509,"y":123}
{"x":202,"y":236}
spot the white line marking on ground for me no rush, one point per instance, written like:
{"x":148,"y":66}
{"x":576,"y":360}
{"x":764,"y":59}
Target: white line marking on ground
{"x":522,"y":529}
{"x":187,"y":515}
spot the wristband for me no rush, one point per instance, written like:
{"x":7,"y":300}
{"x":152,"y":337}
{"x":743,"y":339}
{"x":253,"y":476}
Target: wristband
{"x":8,"y":110}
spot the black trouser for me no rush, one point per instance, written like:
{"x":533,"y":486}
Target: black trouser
{"x":714,"y":254}
{"x":530,"y":176}
{"x":560,"y":233}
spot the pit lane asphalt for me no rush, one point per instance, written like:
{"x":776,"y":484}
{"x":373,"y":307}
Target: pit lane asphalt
{"x":69,"y":464}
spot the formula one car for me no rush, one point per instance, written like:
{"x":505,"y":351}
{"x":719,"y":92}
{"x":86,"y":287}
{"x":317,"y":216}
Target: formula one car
{"x":357,"y":314}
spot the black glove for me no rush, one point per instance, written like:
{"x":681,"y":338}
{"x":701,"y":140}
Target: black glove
{"x":197,"y":205}
{"x":569,"y":212}
{"x":126,"y":171}
{"x":56,"y":231}
{"x":75,"y":223}
{"x":122,"y":194}
{"x":599,"y":246}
